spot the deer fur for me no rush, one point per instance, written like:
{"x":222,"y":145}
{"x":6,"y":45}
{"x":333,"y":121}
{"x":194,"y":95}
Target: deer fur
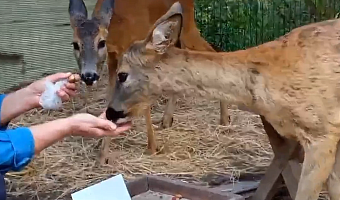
{"x":131,"y":20}
{"x":293,"y":81}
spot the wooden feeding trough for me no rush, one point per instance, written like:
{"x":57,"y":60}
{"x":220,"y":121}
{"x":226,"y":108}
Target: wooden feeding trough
{"x":285,"y":168}
{"x":166,"y":189}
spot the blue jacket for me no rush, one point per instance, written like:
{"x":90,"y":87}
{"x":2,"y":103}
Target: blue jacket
{"x":16,"y":147}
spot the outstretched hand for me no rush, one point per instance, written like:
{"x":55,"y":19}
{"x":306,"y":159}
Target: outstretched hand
{"x":87,"y":125}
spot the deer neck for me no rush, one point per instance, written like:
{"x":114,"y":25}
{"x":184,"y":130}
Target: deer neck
{"x":222,"y":76}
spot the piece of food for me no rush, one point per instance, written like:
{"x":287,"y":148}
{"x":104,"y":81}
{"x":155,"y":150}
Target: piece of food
{"x":177,"y":197}
{"x":73,"y":78}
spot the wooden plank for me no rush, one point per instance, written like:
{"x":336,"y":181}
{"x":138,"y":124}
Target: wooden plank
{"x":269,"y":184}
{"x":292,"y":171}
{"x":280,"y":169}
{"x":192,"y":192}
{"x":291,"y":176}
{"x":238,"y":187}
{"x":138,"y":186}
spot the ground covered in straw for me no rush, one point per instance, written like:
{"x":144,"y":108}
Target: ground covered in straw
{"x":194,"y":146}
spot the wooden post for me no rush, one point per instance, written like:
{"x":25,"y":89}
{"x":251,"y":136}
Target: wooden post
{"x":284,"y":167}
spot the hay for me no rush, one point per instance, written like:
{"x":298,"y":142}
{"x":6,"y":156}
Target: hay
{"x":194,"y":146}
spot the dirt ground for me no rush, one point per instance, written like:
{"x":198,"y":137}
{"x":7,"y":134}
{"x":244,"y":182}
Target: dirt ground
{"x":194,"y":146}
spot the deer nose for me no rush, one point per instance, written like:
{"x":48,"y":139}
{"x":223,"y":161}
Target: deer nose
{"x":89,"y":78}
{"x":113,"y":115}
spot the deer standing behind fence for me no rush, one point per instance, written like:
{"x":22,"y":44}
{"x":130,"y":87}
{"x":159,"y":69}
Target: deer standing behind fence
{"x":113,"y":26}
{"x":293,"y":81}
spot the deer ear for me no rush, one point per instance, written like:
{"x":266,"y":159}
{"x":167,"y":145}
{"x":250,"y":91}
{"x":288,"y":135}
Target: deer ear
{"x":77,"y":11}
{"x":104,"y":14}
{"x":166,"y":30}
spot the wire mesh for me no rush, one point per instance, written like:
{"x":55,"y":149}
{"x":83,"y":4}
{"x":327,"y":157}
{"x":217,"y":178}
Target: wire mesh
{"x":35,"y":40}
{"x":35,"y":35}
{"x":238,"y":24}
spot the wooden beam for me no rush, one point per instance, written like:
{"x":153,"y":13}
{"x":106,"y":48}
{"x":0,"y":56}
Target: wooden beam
{"x":284,"y":167}
{"x":291,"y":176}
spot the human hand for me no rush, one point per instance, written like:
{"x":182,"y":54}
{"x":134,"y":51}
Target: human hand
{"x":87,"y":125}
{"x":84,"y":125}
{"x":36,"y":89}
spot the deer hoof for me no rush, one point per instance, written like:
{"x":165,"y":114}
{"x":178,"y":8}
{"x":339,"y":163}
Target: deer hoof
{"x":152,"y":150}
{"x":225,"y":121}
{"x":104,"y":160}
{"x":167,"y":122}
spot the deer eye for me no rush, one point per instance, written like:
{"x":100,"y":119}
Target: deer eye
{"x":75,"y":46}
{"x":122,"y":76}
{"x":101,"y":44}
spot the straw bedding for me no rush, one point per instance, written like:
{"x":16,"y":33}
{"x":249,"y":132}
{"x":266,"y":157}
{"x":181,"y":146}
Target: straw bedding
{"x":194,"y":146}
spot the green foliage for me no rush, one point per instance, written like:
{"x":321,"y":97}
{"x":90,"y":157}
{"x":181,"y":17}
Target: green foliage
{"x":238,"y":24}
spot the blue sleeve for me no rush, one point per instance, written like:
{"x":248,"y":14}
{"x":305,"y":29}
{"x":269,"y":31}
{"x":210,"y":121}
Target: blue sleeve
{"x":16,"y":147}
{"x":2,"y":96}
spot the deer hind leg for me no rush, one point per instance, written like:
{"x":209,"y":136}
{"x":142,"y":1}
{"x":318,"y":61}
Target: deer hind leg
{"x":333,"y":183}
{"x":152,"y":145}
{"x":225,"y":117}
{"x":317,"y":166}
{"x":169,"y":112}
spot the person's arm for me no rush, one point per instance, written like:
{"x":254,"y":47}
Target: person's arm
{"x":14,"y":104}
{"x":18,"y":146}
{"x":16,"y":149}
{"x":49,"y":133}
{"x":3,"y":126}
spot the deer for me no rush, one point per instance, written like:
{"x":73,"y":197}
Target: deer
{"x":292,"y":81}
{"x":113,"y":26}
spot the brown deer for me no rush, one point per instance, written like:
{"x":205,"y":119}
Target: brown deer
{"x":113,"y":27}
{"x":293,"y":81}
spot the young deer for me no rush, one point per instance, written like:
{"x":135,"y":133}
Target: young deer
{"x":294,"y":82}
{"x":130,"y":21}
{"x":89,"y":39}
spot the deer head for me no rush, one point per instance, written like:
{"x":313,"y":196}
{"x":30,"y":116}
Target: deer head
{"x":132,"y":90}
{"x":89,"y":37}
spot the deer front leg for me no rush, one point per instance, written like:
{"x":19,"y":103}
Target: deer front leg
{"x":169,"y":112}
{"x":84,"y":95}
{"x":317,"y":166}
{"x":152,"y":146}
{"x":225,"y":117}
{"x":112,"y":66}
{"x":333,"y":183}
{"x":104,"y":153}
